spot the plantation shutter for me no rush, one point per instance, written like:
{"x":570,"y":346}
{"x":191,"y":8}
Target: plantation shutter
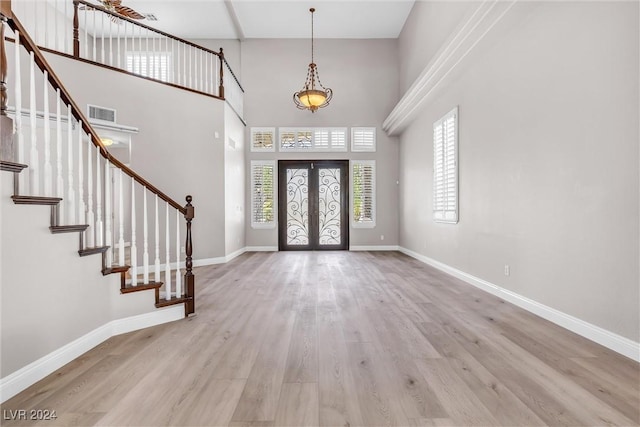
{"x":445,"y":168}
{"x":262,"y":139}
{"x":363,"y":190}
{"x":363,"y":139}
{"x":262,"y":194}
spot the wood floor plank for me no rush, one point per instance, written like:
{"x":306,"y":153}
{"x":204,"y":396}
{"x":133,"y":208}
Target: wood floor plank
{"x":298,"y":405}
{"x":341,"y":339}
{"x":378,"y":405}
{"x":337,"y":389}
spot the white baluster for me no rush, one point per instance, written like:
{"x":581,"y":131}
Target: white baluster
{"x":167,"y":265}
{"x":34,"y":167}
{"x":81,"y":204}
{"x":178,"y":278}
{"x":110,"y":42}
{"x":18,"y":96}
{"x":67,"y":45}
{"x":120,"y":219}
{"x":46,"y":29}
{"x":35,"y":23}
{"x":190,"y":66}
{"x":172,"y":74}
{"x":145,"y":254}
{"x":59,"y":178}
{"x":55,"y":28}
{"x":206,"y":72}
{"x":48,"y":171}
{"x":179,"y":64}
{"x":86,"y":34}
{"x":108,"y":215}
{"x":90,"y":215}
{"x":71,"y":192}
{"x":118,"y":41}
{"x":156,"y":273}
{"x":102,"y":59}
{"x":155,"y":59}
{"x":95,"y":37}
{"x":134,"y":248}
{"x":99,"y":225}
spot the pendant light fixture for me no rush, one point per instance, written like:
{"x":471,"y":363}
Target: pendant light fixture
{"x":313,"y":95}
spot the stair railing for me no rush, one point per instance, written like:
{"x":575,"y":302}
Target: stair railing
{"x":91,"y":191}
{"x":90,"y":32}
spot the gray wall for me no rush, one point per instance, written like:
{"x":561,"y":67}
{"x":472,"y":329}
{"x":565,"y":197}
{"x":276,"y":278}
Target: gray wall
{"x":176,"y":148}
{"x":50,"y":296}
{"x":234,"y":182}
{"x":363,"y":76}
{"x":548,"y":159}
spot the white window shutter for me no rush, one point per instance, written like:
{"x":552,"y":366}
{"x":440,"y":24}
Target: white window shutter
{"x":363,"y":193}
{"x":263,"y":208}
{"x":445,"y":168}
{"x":363,"y":139}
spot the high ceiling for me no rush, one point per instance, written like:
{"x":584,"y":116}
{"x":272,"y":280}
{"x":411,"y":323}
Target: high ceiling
{"x":230,"y":19}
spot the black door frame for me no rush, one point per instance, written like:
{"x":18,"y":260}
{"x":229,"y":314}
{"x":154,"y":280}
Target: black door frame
{"x":313,"y":166}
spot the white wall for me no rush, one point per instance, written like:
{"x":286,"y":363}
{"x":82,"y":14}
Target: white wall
{"x":548,"y":140}
{"x":362,"y":75}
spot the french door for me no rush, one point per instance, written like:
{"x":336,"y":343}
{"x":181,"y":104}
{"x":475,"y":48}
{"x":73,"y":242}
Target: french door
{"x":313,"y":208}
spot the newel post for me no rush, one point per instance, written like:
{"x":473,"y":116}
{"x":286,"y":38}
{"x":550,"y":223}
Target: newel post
{"x":76,"y":34}
{"x":189,"y":278}
{"x":221,"y":87}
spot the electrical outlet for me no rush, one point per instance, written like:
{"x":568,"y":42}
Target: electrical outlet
{"x":382,"y":237}
{"x":507,"y":270}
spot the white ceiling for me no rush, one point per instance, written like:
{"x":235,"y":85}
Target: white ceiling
{"x":230,"y":19}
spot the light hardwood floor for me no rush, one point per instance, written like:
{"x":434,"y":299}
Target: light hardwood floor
{"x":342,"y":339}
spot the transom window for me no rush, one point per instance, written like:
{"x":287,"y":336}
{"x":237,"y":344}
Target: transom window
{"x":313,"y":139}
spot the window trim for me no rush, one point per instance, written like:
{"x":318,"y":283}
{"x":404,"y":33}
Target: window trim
{"x":363,"y":224}
{"x":443,"y":215}
{"x":271,"y":224}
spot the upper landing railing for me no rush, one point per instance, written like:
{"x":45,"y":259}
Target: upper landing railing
{"x":88,"y":31}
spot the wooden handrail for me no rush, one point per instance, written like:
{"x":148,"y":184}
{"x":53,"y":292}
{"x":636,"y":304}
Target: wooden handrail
{"x":124,"y":18}
{"x":232,"y":73}
{"x":77,"y":113}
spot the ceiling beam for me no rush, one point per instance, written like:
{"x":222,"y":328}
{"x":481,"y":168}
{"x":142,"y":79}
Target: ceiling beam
{"x":231,"y":10}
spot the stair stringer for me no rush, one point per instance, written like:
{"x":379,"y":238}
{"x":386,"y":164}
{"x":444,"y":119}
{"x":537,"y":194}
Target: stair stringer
{"x":51,"y":298}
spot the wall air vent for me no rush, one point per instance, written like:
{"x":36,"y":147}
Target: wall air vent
{"x":150,"y":16}
{"x":101,"y":114}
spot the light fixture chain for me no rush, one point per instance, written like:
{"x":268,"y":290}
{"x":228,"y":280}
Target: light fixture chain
{"x":312,"y":11}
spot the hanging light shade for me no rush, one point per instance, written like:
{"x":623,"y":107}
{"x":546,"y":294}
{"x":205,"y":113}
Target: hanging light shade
{"x":313,"y":95}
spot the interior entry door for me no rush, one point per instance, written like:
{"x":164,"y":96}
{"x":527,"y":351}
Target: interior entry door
{"x":313,"y":207}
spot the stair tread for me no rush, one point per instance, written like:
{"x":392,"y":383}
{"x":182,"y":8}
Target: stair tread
{"x":68,"y":228}
{"x":35,"y":200}
{"x":140,"y":287}
{"x":115,"y":269}
{"x":172,"y":301}
{"x":11,"y":166}
{"x":94,"y":250}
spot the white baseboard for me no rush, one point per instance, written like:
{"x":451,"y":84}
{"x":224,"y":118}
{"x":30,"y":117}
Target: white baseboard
{"x":615,"y":342}
{"x":25,"y":377}
{"x":262,"y":249}
{"x":374,"y":248}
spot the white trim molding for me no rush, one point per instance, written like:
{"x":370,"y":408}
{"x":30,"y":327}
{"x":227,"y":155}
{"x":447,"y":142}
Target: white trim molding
{"x":450,"y":55}
{"x":356,"y":248}
{"x":261,"y":249}
{"x":23,"y":378}
{"x":612,"y":341}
